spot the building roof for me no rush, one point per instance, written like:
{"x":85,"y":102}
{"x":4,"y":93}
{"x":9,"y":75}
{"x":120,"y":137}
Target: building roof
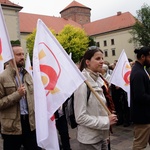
{"x":28,"y":22}
{"x":74,"y":4}
{"x":9,"y":3}
{"x":119,"y":21}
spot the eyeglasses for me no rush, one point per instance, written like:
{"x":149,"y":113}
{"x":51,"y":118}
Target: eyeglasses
{"x":92,"y":47}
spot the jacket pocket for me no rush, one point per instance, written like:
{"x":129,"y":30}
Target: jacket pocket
{"x":29,"y":85}
{"x":9,"y":88}
{"x":7,"y":122}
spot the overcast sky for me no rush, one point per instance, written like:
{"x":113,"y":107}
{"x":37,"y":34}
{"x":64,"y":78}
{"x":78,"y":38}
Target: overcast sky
{"x":99,"y":8}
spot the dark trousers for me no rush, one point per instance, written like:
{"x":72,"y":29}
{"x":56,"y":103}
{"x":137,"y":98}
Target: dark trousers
{"x":62,"y":127}
{"x":27,"y":138}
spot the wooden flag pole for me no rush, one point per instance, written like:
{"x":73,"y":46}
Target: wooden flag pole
{"x":98,"y":98}
{"x":13,"y":63}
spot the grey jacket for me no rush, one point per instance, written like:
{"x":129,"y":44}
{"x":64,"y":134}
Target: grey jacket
{"x":92,"y":119}
{"x":9,"y":102}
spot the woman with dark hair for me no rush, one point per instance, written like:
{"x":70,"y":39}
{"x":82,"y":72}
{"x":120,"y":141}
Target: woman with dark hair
{"x":93,"y":120}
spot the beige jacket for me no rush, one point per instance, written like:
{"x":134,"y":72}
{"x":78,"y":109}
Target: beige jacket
{"x":92,"y":119}
{"x":9,"y":102}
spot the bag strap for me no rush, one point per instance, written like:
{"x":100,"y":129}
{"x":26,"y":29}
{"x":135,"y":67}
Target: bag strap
{"x":88,"y":92}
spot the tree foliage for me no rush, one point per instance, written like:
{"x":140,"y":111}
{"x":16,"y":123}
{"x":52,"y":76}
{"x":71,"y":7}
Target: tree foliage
{"x":92,"y":42}
{"x":141,"y":29}
{"x":30,"y":42}
{"x":74,"y":40}
{"x":16,"y":42}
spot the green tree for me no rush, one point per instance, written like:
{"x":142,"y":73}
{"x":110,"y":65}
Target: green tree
{"x":74,"y":40}
{"x":30,"y":41}
{"x":17,"y":42}
{"x":141,"y":29}
{"x":91,"y":42}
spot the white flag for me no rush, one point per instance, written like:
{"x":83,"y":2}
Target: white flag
{"x":28,"y":66}
{"x":55,"y":77}
{"x":6,"y":52}
{"x":121,"y":74}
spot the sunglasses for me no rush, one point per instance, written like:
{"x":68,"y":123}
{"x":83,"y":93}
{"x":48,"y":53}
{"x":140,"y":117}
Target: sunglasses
{"x":92,"y":47}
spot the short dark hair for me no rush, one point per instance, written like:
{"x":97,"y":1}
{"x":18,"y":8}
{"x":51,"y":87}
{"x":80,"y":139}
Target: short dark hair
{"x":142,"y":51}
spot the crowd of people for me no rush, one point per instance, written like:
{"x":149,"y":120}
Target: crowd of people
{"x":17,"y":114}
{"x":94,"y":123}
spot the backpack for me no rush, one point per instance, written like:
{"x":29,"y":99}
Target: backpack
{"x":69,"y":109}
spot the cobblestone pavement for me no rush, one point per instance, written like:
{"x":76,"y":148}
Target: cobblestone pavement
{"x":121,"y":139}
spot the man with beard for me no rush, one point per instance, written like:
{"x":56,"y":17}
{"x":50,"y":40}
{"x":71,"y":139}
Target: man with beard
{"x":140,"y":98}
{"x":17,"y":106}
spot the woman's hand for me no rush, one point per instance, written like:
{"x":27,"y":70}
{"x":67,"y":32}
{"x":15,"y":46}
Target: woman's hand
{"x":113,"y":119}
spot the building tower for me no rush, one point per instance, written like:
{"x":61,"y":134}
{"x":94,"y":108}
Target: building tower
{"x":77,"y":12}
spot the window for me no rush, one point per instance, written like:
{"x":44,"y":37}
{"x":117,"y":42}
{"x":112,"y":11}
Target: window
{"x":106,"y":53}
{"x":98,"y":44}
{"x":112,"y":42}
{"x":113,"y":52}
{"x":105,"y":43}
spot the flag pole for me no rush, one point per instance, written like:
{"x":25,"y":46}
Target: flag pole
{"x":97,"y":96}
{"x":13,"y":63}
{"x":7,"y":36}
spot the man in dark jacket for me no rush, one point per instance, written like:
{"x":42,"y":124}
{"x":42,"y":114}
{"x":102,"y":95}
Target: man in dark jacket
{"x":140,"y":99}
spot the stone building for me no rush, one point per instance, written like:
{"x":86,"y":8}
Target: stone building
{"x":77,"y":12}
{"x":112,"y":34}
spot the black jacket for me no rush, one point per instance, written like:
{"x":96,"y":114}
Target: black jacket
{"x":140,"y":95}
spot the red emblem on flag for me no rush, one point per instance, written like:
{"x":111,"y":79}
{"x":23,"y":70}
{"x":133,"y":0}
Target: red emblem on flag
{"x":49,"y":71}
{"x":126,"y":72}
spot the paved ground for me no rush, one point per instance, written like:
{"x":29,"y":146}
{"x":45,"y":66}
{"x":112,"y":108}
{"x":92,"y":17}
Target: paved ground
{"x":121,"y":139}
